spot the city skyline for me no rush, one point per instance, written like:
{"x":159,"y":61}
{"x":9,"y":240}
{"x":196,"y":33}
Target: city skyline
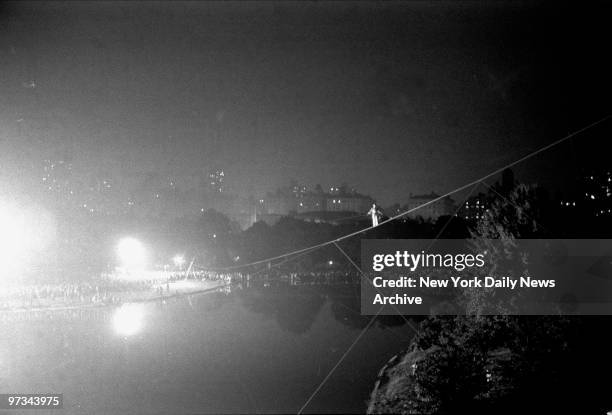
{"x":321,"y":92}
{"x":305,"y":206}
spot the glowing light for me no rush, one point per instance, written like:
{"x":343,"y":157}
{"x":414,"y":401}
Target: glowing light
{"x":12,"y":238}
{"x":179,"y":260}
{"x":132,"y":253}
{"x":128,"y":319}
{"x":25,"y":234}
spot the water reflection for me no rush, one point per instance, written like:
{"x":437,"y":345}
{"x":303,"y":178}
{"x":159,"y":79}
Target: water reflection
{"x":255,"y":349}
{"x":128,"y":319}
{"x":295,"y":308}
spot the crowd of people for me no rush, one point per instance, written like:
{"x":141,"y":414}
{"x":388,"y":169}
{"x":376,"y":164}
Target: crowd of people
{"x":315,"y":277}
{"x":107,"y":290}
{"x":202,"y":275}
{"x":98,"y":291}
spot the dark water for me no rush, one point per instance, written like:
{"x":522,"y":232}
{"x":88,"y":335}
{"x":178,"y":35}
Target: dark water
{"x":255,"y":349}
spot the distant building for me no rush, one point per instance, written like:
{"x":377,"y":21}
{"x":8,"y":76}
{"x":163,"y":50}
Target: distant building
{"x":334,"y":190}
{"x":216,"y":180}
{"x":442,"y":207}
{"x":57,"y":175}
{"x":297,"y":200}
{"x":474,"y":207}
{"x":298,"y":190}
{"x":334,"y":218}
{"x":311,"y":202}
{"x":280,"y":202}
{"x":593,"y":196}
{"x":348,"y":203}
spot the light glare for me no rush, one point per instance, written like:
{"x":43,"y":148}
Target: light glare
{"x":128,"y":319}
{"x":132,"y":254}
{"x":179,"y":260}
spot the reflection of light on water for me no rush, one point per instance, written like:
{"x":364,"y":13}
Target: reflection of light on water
{"x":128,"y":319}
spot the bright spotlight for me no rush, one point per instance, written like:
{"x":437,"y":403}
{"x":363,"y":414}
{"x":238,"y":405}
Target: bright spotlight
{"x":132,"y":253}
{"x":26,"y":234}
{"x":128,"y":319}
{"x":14,"y":244}
{"x":179,"y":260}
{"x":13,"y":230}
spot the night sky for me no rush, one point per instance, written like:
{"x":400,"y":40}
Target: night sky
{"x":391,"y":98}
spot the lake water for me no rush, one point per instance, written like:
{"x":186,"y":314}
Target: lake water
{"x":262,"y":348}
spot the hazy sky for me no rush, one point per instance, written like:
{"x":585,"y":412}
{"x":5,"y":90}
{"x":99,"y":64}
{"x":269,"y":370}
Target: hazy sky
{"x":392,"y":98}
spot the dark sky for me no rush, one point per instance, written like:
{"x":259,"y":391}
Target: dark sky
{"x":392,"y":98}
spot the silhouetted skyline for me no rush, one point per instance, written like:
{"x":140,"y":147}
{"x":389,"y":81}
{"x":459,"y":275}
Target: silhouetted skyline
{"x":391,"y":98}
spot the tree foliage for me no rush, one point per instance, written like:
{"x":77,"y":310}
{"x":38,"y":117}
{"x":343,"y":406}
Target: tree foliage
{"x":477,"y":363}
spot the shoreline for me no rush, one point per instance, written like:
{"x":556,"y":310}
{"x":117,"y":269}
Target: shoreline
{"x":174,"y":289}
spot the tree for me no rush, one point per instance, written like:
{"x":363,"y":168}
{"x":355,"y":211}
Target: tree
{"x":483,"y":364}
{"x":213,"y":236}
{"x":508,"y":218}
